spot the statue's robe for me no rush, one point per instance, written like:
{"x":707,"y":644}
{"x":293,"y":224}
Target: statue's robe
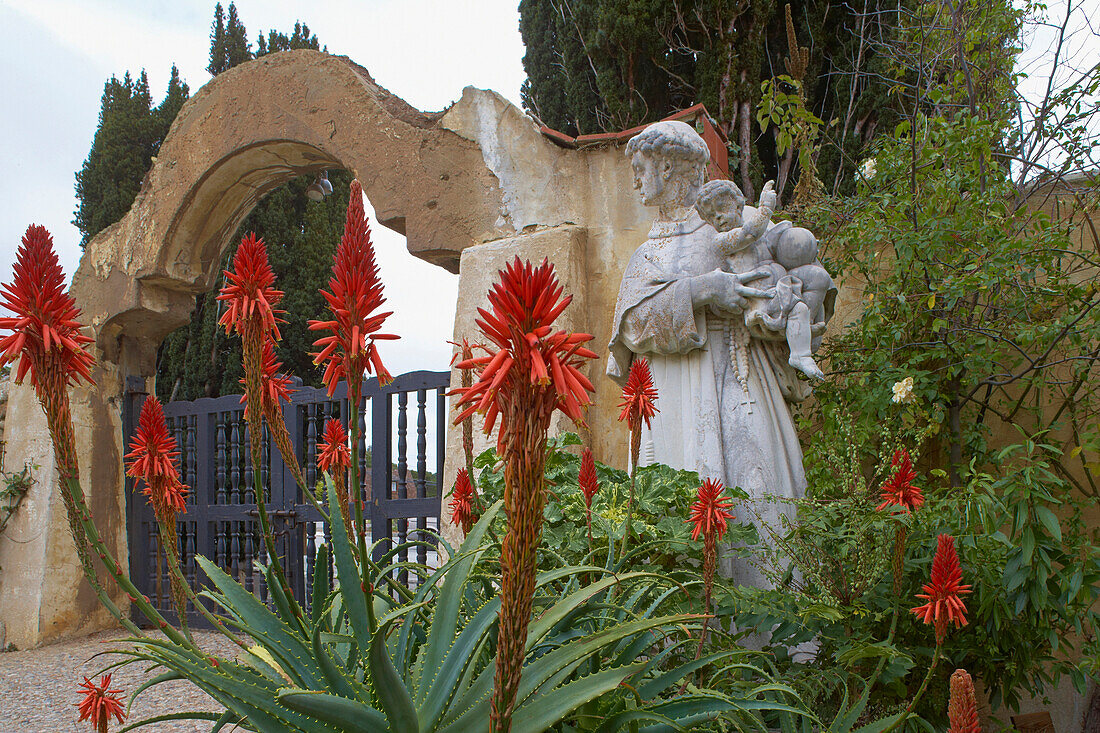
{"x":706,"y":421}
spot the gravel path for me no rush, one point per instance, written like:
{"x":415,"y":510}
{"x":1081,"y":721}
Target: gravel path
{"x":38,"y":688}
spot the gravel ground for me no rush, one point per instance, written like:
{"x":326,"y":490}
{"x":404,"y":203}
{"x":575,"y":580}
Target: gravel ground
{"x":38,"y":688}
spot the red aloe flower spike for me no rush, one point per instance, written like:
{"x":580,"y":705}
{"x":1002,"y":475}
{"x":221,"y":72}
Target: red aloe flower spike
{"x":710,"y":511}
{"x":962,"y":709}
{"x":248,"y":293}
{"x":709,"y":514}
{"x":898,"y":490}
{"x":462,"y":507}
{"x":334,"y":456}
{"x":528,"y":373}
{"x":942,"y":594}
{"x":334,"y":453}
{"x":274,"y":387}
{"x":152,"y":458}
{"x":588,"y":481}
{"x":639,"y":394}
{"x":525,"y":301}
{"x":100,"y":703}
{"x":349,"y":350}
{"x":45,"y":333}
{"x":589,"y":486}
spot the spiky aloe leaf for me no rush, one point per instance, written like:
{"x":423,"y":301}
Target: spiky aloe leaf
{"x":347,"y":572}
{"x":236,"y":686}
{"x":321,"y":588}
{"x":349,"y":716}
{"x":168,"y":717}
{"x":266,"y":628}
{"x":389,"y":686}
{"x":554,"y":706}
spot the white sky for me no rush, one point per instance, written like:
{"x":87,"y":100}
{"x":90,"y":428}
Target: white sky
{"x":57,"y":54}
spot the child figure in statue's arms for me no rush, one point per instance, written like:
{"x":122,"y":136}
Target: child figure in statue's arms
{"x":787,"y":253}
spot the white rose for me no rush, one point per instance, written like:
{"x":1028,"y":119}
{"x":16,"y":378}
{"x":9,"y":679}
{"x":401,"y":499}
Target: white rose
{"x":867,"y":168}
{"x":903,"y":391}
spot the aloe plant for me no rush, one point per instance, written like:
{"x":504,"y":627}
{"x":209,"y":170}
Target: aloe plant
{"x":362,"y":661}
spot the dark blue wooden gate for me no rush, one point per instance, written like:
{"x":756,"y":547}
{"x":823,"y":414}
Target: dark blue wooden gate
{"x":221,"y":521}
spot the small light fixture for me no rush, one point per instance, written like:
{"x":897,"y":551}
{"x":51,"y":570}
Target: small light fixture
{"x":319,"y":188}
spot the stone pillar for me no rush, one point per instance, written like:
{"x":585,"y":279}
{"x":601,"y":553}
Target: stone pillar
{"x":566,"y":247}
{"x":43,"y":594}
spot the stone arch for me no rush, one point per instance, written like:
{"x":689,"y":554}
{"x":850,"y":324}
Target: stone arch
{"x":239,"y":137}
{"x":243,"y":134}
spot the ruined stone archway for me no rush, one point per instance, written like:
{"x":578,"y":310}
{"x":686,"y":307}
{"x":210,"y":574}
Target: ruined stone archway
{"x":480,"y":173}
{"x":241,"y":135}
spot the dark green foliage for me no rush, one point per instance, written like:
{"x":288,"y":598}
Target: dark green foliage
{"x":217,"y":43}
{"x":229,"y":44}
{"x":609,"y":65}
{"x":276,"y":41}
{"x":129,"y":135}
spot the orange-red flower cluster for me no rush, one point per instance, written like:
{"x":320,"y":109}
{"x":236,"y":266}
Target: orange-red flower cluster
{"x":589,"y":484}
{"x":711,"y":510}
{"x":45,"y":335}
{"x":898,"y":490}
{"x":462,"y":502}
{"x":942,"y":594}
{"x":100,"y":702}
{"x":349,"y":350}
{"x":639,"y":394}
{"x":962,"y":708}
{"x":525,"y":302}
{"x":152,"y":459}
{"x":275,"y":387}
{"x":334,"y":454}
{"x":249,"y":294}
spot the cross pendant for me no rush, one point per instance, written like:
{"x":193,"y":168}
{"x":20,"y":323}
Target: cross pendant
{"x":748,"y":402}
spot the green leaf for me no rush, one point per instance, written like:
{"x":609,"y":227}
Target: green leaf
{"x":550,"y":708}
{"x":1048,"y":520}
{"x":388,"y":685}
{"x":350,"y":716}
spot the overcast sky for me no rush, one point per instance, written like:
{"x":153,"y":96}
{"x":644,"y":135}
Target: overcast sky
{"x":57,"y":54}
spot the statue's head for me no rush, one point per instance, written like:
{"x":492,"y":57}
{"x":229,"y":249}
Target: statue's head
{"x":670,"y":163}
{"x":721,"y":204}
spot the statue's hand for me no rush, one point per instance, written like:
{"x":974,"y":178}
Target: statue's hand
{"x":768,"y":196}
{"x":726,"y":291}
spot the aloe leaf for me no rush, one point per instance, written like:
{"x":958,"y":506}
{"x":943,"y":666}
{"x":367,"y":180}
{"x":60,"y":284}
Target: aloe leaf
{"x":388,"y":685}
{"x":264,"y":626}
{"x":351,"y":584}
{"x":280,"y":601}
{"x":320,"y":589}
{"x":544,"y":673}
{"x":337,"y":681}
{"x":447,"y":682}
{"x":164,"y":677}
{"x":195,"y":715}
{"x":653,"y":687}
{"x":238,"y":687}
{"x":448,"y":601}
{"x":350,"y":716}
{"x":548,"y":709}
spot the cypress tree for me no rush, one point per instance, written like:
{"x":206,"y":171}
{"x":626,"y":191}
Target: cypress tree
{"x":218,"y":62}
{"x":129,"y":135}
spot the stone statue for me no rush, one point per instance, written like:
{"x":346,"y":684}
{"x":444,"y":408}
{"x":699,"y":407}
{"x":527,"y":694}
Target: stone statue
{"x":726,"y":319}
